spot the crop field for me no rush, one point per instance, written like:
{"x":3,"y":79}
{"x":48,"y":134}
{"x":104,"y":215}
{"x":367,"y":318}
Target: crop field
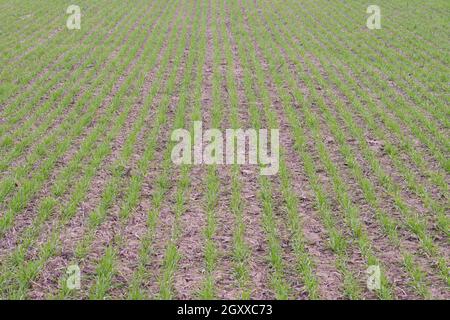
{"x":93,"y":206}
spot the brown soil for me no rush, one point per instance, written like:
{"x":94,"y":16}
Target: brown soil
{"x":126,"y":237}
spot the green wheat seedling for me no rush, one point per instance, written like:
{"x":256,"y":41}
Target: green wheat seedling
{"x":391,"y":228}
{"x":419,"y":227}
{"x":412,"y":184}
{"x":87,"y":67}
{"x":77,"y":197}
{"x":31,"y":186}
{"x":212,"y":189}
{"x":33,"y":136}
{"x":41,"y":69}
{"x":396,"y":65}
{"x":413,"y":84}
{"x":27,"y":28}
{"x":305,"y":265}
{"x":5,"y":182}
{"x":36,"y":61}
{"x":408,"y":117}
{"x":162,"y":181}
{"x":241,"y":251}
{"x":20,"y":50}
{"x":110,"y":193}
{"x":172,"y":256}
{"x":337,"y":242}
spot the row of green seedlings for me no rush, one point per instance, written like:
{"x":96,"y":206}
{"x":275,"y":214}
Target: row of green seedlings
{"x":388,"y":224}
{"x":420,"y":78}
{"x":25,"y":48}
{"x":106,"y":266}
{"x":207,"y":288}
{"x":407,"y":53}
{"x":428,"y":38}
{"x":412,"y":179}
{"x":351,"y":212}
{"x":305,"y":266}
{"x":17,"y":280}
{"x":22,"y":31}
{"x":111,"y":191}
{"x":304,"y":263}
{"x":162,"y":182}
{"x":81,"y":187}
{"x":26,"y":83}
{"x":21,"y":137}
{"x":7,"y":186}
{"x":42,"y":40}
{"x":24,"y":138}
{"x":135,"y":290}
{"x":423,"y":119}
{"x":18,"y":28}
{"x":172,"y":256}
{"x":408,"y":118}
{"x":241,"y":250}
{"x":25,"y":58}
{"x":337,"y":242}
{"x":118,"y":184}
{"x":281,"y":287}
{"x":69,"y":70}
{"x":62,"y":64}
{"x":317,"y":75}
{"x":395,"y":45}
{"x":418,"y":188}
{"x":29,"y":187}
{"x":420,"y":47}
{"x":414,"y":222}
{"x":437,"y":108}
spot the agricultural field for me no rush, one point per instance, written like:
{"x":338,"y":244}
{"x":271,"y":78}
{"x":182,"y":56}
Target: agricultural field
{"x":92,"y":205}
